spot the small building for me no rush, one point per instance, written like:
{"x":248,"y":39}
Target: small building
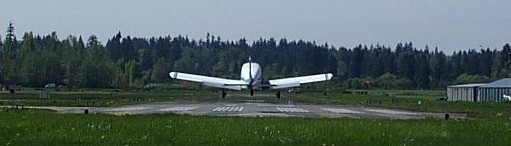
{"x":466,"y":92}
{"x":490,"y":92}
{"x":494,"y":91}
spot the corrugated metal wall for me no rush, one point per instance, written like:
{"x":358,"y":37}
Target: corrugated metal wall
{"x":461,"y":93}
{"x":493,"y":94}
{"x":450,"y":94}
{"x":475,"y":94}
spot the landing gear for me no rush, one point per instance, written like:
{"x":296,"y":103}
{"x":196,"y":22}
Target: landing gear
{"x":224,"y":94}
{"x":278,"y":94}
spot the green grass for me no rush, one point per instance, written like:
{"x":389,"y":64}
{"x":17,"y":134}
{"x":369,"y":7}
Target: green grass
{"x":29,"y":127}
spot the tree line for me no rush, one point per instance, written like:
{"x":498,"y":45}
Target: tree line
{"x":125,"y":62}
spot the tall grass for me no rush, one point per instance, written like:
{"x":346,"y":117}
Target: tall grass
{"x":46,"y":128}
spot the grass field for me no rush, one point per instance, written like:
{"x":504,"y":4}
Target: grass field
{"x":490,"y":123}
{"x":28,"y":127}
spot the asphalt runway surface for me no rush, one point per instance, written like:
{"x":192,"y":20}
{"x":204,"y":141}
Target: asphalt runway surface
{"x":257,"y":108}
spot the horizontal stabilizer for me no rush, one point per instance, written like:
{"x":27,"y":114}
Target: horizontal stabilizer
{"x":235,"y":84}
{"x":238,"y":87}
{"x":286,"y":86}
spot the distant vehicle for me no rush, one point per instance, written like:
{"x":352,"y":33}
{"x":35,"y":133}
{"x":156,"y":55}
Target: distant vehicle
{"x":50,"y":85}
{"x":250,"y":79}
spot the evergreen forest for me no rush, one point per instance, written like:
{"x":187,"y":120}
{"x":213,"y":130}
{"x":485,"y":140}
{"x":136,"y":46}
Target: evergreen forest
{"x":126,"y":62}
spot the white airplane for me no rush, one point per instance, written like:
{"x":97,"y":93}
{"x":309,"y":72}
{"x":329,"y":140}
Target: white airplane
{"x":250,"y":79}
{"x":507,"y":98}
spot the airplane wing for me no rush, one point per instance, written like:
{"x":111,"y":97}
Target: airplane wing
{"x":296,"y":81}
{"x":209,"y":81}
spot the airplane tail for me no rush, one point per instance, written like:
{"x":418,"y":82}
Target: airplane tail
{"x":250,"y":67}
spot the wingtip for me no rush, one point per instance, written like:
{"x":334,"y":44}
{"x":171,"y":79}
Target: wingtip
{"x":329,"y":76}
{"x":173,"y":75}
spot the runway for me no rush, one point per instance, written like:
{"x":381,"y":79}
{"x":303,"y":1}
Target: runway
{"x":257,"y":109}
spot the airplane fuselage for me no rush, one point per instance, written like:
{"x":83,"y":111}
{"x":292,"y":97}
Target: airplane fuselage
{"x":251,"y":74}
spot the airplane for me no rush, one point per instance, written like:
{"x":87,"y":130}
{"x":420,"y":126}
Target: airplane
{"x":250,"y":79}
{"x":507,"y":98}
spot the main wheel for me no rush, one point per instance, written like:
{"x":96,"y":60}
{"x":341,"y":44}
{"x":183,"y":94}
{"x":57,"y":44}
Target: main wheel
{"x":278,"y":94}
{"x":224,"y":94}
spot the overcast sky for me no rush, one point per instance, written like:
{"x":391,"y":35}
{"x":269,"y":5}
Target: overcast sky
{"x":448,"y":24}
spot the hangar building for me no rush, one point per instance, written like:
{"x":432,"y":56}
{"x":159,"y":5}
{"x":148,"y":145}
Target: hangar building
{"x":491,"y":92}
{"x":466,"y":92}
{"x":494,"y":91}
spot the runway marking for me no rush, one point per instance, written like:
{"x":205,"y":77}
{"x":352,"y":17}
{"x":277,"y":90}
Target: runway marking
{"x":292,"y":110}
{"x":275,"y":105}
{"x":393,"y":112}
{"x":228,"y":109}
{"x":341,"y":111}
{"x":177,"y":108}
{"x":128,"y":109}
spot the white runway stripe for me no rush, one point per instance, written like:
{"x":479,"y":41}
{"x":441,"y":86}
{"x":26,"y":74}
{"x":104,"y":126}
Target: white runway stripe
{"x":178,"y":108}
{"x":341,"y":111}
{"x":292,"y":110}
{"x":231,"y":109}
{"x":228,"y":109}
{"x":219,"y":109}
{"x":392,"y":112}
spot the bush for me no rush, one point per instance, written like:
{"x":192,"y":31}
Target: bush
{"x":466,"y":79}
